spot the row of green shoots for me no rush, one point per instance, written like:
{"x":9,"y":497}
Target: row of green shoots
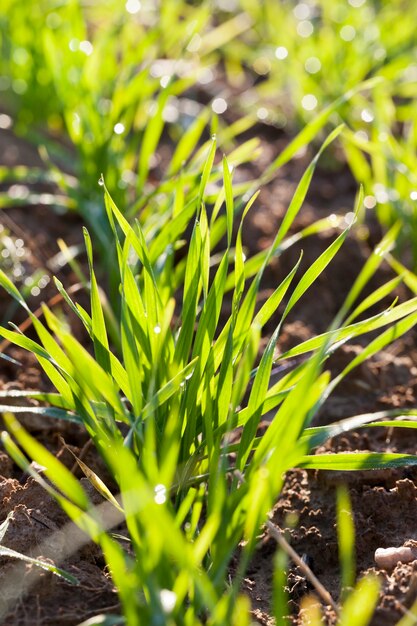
{"x":171,"y":391}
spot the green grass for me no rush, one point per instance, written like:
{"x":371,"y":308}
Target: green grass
{"x":161,"y":404}
{"x":171,"y":389}
{"x":120,"y":86}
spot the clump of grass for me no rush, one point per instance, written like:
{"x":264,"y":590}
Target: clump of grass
{"x":163,"y":400}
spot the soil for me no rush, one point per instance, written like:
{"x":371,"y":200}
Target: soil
{"x":384,"y":502}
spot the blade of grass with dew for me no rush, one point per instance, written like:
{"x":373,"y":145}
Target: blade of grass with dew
{"x":136,"y":238}
{"x":168,"y":390}
{"x":410,"y":278}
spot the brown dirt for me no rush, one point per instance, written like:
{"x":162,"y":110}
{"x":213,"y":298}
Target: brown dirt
{"x":384,"y":503}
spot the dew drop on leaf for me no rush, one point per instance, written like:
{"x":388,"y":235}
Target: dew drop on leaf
{"x":160,"y":494}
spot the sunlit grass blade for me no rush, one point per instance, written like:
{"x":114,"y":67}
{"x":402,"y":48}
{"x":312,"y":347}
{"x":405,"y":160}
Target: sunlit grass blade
{"x":301,"y":191}
{"x":315,"y":270}
{"x":376,"y":296}
{"x":210,"y":313}
{"x":358,"y":461}
{"x":49,"y":567}
{"x":54,"y":470}
{"x":192,"y":287}
{"x":86,"y":319}
{"x":188,"y":142}
{"x":169,"y":236}
{"x":310,"y":609}
{"x":96,"y":481}
{"x":98,"y":326}
{"x":114,"y":366}
{"x":280,"y":596}
{"x":354,"y":330}
{"x":275,"y":299}
{"x":7,"y":284}
{"x":372,"y":264}
{"x":346,"y":540}
{"x":375,"y":346}
{"x":359,"y":607}
{"x":319,"y":434}
{"x":256,"y":399}
{"x":207,"y":169}
{"x":227,"y":181}
{"x":166,"y":392}
{"x":52,"y":412}
{"x":151,"y":137}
